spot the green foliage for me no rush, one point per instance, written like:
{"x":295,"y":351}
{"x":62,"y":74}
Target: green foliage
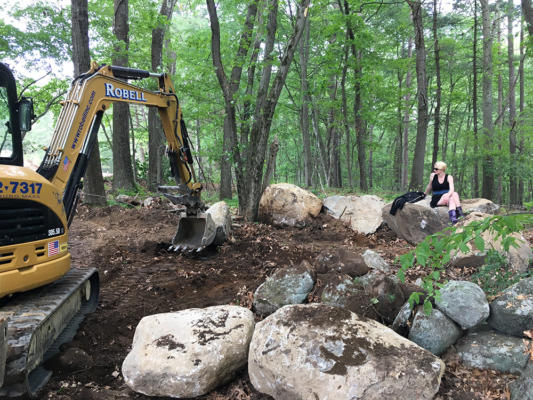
{"x":495,"y":275}
{"x":435,"y":251}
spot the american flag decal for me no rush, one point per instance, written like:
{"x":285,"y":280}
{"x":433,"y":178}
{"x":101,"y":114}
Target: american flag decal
{"x":66,"y":163}
{"x":53,"y":248}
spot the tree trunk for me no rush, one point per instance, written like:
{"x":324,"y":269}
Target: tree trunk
{"x":261,"y":126}
{"x":271,"y":164}
{"x":225,"y":163}
{"x":488,"y":128}
{"x":475,"y":179}
{"x":230,"y":86}
{"x":360,"y":126}
{"x":417,"y":171}
{"x":405,"y":135}
{"x":304,"y":112}
{"x":122,"y":171}
{"x":332,"y":134}
{"x":498,"y":194}
{"x":439,"y":88}
{"x":156,"y":139}
{"x":94,"y":182}
{"x":513,"y":172}
{"x":527,"y":9}
{"x":345,"y":118}
{"x":521,"y":110}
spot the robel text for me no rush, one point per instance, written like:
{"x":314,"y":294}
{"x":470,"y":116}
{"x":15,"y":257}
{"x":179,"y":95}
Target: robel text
{"x":118,"y":93}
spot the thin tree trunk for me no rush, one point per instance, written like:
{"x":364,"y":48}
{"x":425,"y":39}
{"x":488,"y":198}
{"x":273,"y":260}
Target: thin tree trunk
{"x":513,"y":173}
{"x":122,"y":171}
{"x":271,"y":164}
{"x":488,"y":127}
{"x":304,"y":112}
{"x":474,"y":106}
{"x":405,"y":136}
{"x":225,"y":163}
{"x":156,"y":139}
{"x":439,"y":88}
{"x":499,"y":182}
{"x":94,"y":182}
{"x":520,"y":196}
{"x":417,"y":171}
{"x":345,"y":118}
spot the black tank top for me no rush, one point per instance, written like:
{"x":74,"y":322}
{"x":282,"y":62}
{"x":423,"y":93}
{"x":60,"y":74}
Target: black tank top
{"x":437,"y":187}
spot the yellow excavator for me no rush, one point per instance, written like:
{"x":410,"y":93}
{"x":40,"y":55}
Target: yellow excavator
{"x":42,"y":299}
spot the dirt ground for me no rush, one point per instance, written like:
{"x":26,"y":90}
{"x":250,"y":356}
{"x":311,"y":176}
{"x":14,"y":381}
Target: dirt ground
{"x":139,"y":277}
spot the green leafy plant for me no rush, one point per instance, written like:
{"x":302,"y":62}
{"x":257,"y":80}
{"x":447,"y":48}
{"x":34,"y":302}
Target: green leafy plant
{"x":495,"y":275}
{"x":435,"y":251}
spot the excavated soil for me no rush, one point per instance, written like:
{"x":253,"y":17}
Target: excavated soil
{"x":139,"y":277}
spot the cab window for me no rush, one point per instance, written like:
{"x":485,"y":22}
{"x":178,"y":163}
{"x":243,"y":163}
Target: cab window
{"x":6,"y":134}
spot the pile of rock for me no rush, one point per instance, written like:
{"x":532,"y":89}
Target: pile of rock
{"x":336,"y":346}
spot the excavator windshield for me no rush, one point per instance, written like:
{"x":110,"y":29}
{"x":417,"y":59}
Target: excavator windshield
{"x":10,"y":136}
{"x":6,"y":134}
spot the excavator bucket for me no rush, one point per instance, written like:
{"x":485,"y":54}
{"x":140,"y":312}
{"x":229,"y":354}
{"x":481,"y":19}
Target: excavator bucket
{"x":195,"y":233}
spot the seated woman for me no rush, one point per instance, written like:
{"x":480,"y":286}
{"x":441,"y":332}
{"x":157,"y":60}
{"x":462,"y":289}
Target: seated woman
{"x":443,"y":193}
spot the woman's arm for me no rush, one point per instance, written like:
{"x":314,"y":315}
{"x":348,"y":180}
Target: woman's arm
{"x":428,"y":188}
{"x":450,"y":181}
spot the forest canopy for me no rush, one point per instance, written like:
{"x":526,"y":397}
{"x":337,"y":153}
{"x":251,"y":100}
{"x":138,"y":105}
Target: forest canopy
{"x":358,"y":96}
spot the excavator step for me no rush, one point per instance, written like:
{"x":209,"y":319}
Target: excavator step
{"x":40,"y":321}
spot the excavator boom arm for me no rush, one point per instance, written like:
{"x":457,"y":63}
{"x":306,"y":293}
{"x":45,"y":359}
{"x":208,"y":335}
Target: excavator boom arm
{"x":75,"y":134}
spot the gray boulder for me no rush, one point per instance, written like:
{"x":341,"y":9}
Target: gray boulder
{"x":338,"y":293}
{"x":464,"y":302}
{"x":284,"y":204}
{"x":479,"y":205}
{"x":374,"y":261}
{"x":435,"y":332}
{"x":221,"y":217}
{"x":342,"y":261}
{"x":522,"y":388}
{"x":416,"y":220}
{"x":188,"y":353}
{"x":512,"y":311}
{"x":289,"y":285}
{"x":519,"y":257}
{"x":401,"y":322}
{"x":316,"y":351}
{"x":361,"y":213}
{"x":488,"y":349}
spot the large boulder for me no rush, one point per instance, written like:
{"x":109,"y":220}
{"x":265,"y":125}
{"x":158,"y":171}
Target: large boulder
{"x":361,"y":213}
{"x":522,"y":388}
{"x":188,"y":353}
{"x":316,"y":351}
{"x":417,"y":220}
{"x":464,"y":302}
{"x":435,"y":332}
{"x":284,"y":204}
{"x":374,"y":261}
{"x":339,"y":291}
{"x":519,"y":257}
{"x":487,"y":349}
{"x":221,"y":217}
{"x":289,"y":285}
{"x":512,"y":311}
{"x":342,"y":261}
{"x":479,"y":205}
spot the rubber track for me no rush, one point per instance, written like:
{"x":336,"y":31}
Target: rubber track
{"x":26,"y":313}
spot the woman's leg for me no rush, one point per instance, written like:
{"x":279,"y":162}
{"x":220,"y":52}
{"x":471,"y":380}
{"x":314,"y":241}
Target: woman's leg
{"x":458,"y":205}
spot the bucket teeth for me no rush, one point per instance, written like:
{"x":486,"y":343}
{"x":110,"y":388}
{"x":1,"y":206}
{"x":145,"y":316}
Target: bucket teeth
{"x":177,"y":248}
{"x":170,"y":248}
{"x":199,"y":249}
